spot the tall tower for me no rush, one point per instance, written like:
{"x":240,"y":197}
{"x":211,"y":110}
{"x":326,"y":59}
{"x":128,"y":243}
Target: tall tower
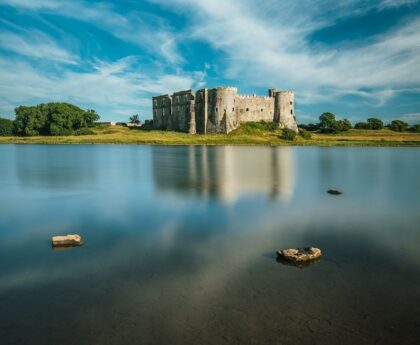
{"x":284,"y":110}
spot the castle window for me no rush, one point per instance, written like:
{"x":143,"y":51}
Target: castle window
{"x":261,"y":109}
{"x":216,"y":110}
{"x":291,"y":103}
{"x":233,"y":109}
{"x":291,"y":111}
{"x":247,"y":109}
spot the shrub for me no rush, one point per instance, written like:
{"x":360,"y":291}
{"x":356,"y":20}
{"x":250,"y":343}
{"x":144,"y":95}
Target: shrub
{"x":398,"y":126}
{"x":310,"y":127}
{"x":373,"y":123}
{"x":305,"y":134}
{"x":6,"y":127}
{"x":415,"y":129}
{"x":84,"y":131}
{"x":288,"y":134}
{"x":361,"y":125}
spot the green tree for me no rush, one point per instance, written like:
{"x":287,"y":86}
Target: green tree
{"x":361,"y":125}
{"x":415,"y":129}
{"x":135,"y":119}
{"x":327,"y":123}
{"x":398,"y":126}
{"x":342,"y":126}
{"x":52,"y":119}
{"x":6,"y":127}
{"x":373,"y":123}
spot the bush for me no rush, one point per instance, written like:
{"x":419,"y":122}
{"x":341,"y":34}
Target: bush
{"x":361,"y":125}
{"x":305,"y":134}
{"x":415,"y":129}
{"x":6,"y":127}
{"x":84,"y":131}
{"x":52,"y":119}
{"x":373,"y":123}
{"x":398,"y":126}
{"x":310,"y":127}
{"x":288,"y":134}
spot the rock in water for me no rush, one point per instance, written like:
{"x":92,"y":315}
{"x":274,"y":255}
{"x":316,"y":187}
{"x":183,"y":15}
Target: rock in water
{"x":300,"y":254}
{"x":67,"y":241}
{"x":334,"y":192}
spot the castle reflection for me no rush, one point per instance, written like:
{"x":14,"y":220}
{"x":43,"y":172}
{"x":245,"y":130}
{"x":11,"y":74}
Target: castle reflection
{"x":225,"y":173}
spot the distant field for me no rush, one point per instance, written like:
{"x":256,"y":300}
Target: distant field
{"x":246,"y":135}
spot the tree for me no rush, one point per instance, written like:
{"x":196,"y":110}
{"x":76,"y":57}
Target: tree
{"x":415,"y":129}
{"x":52,"y":119}
{"x":373,"y":123}
{"x":327,"y":123}
{"x":398,"y":126}
{"x":135,"y":119}
{"x":342,"y":126}
{"x":6,"y":127}
{"x":361,"y":125}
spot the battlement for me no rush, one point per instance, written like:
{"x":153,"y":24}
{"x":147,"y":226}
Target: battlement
{"x":254,"y":96}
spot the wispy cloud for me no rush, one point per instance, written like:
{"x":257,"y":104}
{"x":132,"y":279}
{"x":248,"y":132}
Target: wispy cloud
{"x":36,"y":44}
{"x":114,"y":89}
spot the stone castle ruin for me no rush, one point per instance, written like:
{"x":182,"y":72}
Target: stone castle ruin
{"x":221,"y":110}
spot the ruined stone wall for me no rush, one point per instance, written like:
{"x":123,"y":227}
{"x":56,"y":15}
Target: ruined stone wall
{"x":181,"y":111}
{"x":162,"y":108}
{"x":255,"y":108}
{"x":221,"y":110}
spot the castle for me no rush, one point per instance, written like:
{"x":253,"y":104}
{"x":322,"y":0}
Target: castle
{"x":221,"y":110}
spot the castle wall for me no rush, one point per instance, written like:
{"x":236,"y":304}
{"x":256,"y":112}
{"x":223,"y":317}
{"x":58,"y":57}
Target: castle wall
{"x":181,"y":115}
{"x":162,"y":108}
{"x":221,"y":110}
{"x":255,"y":108}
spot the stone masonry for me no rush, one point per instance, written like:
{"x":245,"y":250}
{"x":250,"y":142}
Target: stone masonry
{"x":221,"y":110}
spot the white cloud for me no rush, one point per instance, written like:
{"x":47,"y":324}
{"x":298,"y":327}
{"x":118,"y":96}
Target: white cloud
{"x":116,"y":90}
{"x":35,"y":44}
{"x":266,"y":45}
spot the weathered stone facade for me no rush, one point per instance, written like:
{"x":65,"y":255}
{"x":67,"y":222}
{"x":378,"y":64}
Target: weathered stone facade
{"x":221,"y":110}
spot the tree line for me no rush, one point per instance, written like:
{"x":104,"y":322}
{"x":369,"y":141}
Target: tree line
{"x":49,"y":119}
{"x":329,"y":124}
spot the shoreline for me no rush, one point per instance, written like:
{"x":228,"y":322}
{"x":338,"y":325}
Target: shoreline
{"x":126,"y":136}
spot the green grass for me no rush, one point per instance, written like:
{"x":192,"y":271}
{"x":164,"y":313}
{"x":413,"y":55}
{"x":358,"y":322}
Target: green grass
{"x":248,"y":134}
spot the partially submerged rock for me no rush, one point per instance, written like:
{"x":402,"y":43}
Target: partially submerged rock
{"x":334,"y":192}
{"x":67,"y":241}
{"x":298,"y":255}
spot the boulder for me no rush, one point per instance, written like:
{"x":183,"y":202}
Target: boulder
{"x":300,"y":254}
{"x":67,"y":241}
{"x":334,"y":192}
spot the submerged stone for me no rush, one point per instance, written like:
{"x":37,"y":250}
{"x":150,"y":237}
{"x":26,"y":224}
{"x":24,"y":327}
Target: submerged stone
{"x":300,"y":254}
{"x":67,"y":241}
{"x":334,"y":192}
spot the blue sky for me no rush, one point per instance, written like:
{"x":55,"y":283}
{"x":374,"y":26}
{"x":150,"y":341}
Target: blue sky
{"x":356,"y":58}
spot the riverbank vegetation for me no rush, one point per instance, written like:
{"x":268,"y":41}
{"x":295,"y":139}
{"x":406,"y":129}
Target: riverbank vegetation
{"x":60,"y":123}
{"x":248,"y":134}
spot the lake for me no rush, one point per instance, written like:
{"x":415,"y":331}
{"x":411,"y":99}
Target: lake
{"x":180,"y":245}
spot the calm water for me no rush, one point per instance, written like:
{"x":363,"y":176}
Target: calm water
{"x":180,"y":245}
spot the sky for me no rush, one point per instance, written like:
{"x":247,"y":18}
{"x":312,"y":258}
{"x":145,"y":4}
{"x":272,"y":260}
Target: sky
{"x":355,"y":58}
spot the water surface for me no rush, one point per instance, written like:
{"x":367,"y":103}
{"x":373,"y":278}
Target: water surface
{"x":180,"y":245}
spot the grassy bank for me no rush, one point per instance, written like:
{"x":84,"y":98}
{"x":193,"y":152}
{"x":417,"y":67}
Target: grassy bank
{"x":250,"y":134}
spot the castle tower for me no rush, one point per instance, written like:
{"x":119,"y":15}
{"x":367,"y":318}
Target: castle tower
{"x":284,"y":110}
{"x":222,"y":116}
